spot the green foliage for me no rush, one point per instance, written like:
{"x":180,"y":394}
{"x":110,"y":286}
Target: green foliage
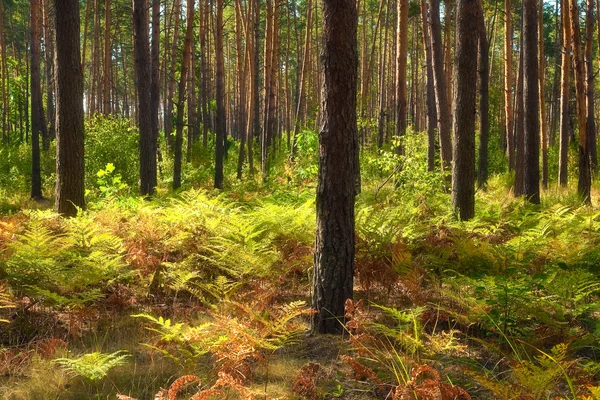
{"x":111,"y":140}
{"x":93,"y":366}
{"x":109,"y":183}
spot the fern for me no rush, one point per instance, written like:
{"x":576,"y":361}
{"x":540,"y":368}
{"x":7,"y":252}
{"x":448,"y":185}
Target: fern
{"x":93,"y":366}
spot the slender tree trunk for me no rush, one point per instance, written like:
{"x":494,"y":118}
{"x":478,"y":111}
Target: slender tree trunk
{"x":303,"y":73}
{"x":431,"y":111}
{"x":181,"y":99}
{"x":49,"y":69}
{"x":220,"y":78}
{"x":172,"y":82}
{"x":141,"y":47}
{"x":69,"y":110}
{"x":107,"y":60}
{"x":542,"y":100}
{"x":484,"y":78}
{"x":531,"y":103}
{"x":519,"y":129}
{"x":441,"y":93}
{"x":508,"y":92}
{"x":563,"y":161}
{"x":401,"y":61}
{"x":465,"y":99}
{"x":584,"y":183}
{"x":155,"y":77}
{"x":334,"y":248}
{"x":37,"y":120}
{"x":590,"y":86}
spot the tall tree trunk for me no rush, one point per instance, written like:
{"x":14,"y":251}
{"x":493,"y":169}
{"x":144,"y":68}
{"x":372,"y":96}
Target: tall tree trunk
{"x":484,"y":80}
{"x":220,"y":78}
{"x":465,"y":99}
{"x":519,"y":134}
{"x":69,"y":110}
{"x":590,"y":86}
{"x":49,"y":69}
{"x":171,"y":87}
{"x":542,"y":99}
{"x":563,"y":160}
{"x":431,"y":111}
{"x":303,"y":73}
{"x":441,"y":93}
{"x":334,"y":247}
{"x":531,"y":103}
{"x":508,"y":92}
{"x":141,"y":47}
{"x":37,"y":120}
{"x":107,"y":60}
{"x":181,"y":99}
{"x":585,"y":182}
{"x":155,"y":75}
{"x":401,"y":61}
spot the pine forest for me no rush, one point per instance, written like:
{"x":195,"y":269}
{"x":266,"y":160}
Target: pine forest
{"x":303,"y":199}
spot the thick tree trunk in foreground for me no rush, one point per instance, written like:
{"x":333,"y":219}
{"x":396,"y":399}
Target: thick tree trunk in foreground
{"x":69,"y":110}
{"x":531,"y":97}
{"x":465,"y":103}
{"x":144,"y":107}
{"x":334,"y":249}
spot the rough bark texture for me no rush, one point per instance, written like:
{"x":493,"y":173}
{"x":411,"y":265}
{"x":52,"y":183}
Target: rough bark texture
{"x":563,"y":160}
{"x":401,"y":61}
{"x":431,"y":111}
{"x":542,"y":99}
{"x":69,"y":110}
{"x":531,"y":97}
{"x":37,"y":120}
{"x":334,"y":249}
{"x":155,"y":72}
{"x":144,"y":108}
{"x":519,"y":130}
{"x":508,"y":93}
{"x":584,"y":183}
{"x":220,"y":78}
{"x":484,"y":80}
{"x":590,"y":85}
{"x":465,"y":103}
{"x":441,"y":93}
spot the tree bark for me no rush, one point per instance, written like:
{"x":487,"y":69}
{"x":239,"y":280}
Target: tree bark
{"x":69,"y":110}
{"x":465,"y":98}
{"x":508,"y":92}
{"x":441,"y":93}
{"x":585,"y":182}
{"x":141,"y":47}
{"x":590,"y":86}
{"x":563,"y":161}
{"x":531,"y":105}
{"x":431,"y":110}
{"x":37,"y":119}
{"x":220,"y":78}
{"x":334,"y":248}
{"x":484,"y":78}
{"x":401,"y":61}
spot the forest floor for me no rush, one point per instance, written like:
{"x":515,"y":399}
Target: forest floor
{"x":207,"y":295}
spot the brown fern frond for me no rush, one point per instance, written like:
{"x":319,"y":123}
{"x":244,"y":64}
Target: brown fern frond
{"x":305,"y":383}
{"x":124,"y":397}
{"x":178,"y":384}
{"x":162,"y":395}
{"x":47,"y":348}
{"x":361,"y":372}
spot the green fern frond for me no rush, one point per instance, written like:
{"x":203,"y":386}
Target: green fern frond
{"x":93,"y":366}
